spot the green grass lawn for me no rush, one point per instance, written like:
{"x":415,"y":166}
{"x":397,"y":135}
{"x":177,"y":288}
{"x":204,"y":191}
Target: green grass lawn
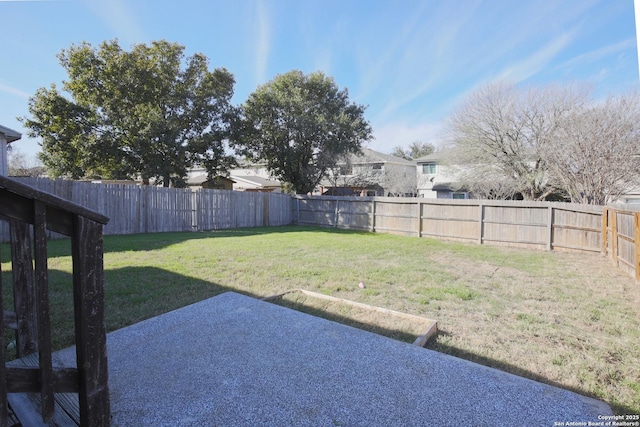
{"x":571,"y":320}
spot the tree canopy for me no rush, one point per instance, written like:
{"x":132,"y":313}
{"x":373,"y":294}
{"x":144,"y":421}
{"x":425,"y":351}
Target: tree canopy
{"x":595,"y":155}
{"x":499,"y":132}
{"x":539,"y":140}
{"x":415,"y":150}
{"x":300,"y":125}
{"x":150,"y":112}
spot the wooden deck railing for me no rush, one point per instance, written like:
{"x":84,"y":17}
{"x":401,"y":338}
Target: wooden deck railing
{"x":30,"y":213}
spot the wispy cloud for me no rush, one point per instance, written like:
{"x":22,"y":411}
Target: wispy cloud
{"x":13,"y":91}
{"x":533,"y":64}
{"x":120,"y":17}
{"x":589,"y":58}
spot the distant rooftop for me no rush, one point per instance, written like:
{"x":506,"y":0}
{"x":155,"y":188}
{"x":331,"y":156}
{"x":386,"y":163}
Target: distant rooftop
{"x":368,"y":156}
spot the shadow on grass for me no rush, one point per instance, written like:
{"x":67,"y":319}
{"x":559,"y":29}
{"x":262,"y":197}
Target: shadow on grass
{"x":132,"y":294}
{"x":154,"y":241}
{"x":436,"y":345}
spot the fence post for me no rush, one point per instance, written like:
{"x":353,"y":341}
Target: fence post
{"x":636,"y":242}
{"x":614,"y":237}
{"x":605,"y":231}
{"x":373,"y":215}
{"x":419,"y":218}
{"x":335,"y":214}
{"x":550,"y":229}
{"x":265,"y":209}
{"x":481,"y":223}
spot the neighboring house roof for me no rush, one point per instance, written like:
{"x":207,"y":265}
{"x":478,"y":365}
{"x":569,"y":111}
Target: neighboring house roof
{"x":201,"y":179}
{"x":371,"y":156}
{"x":10,"y":134}
{"x":433,"y":157}
{"x":257,"y":181}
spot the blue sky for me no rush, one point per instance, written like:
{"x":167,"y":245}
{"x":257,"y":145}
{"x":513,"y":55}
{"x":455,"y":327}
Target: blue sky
{"x":409,"y":61}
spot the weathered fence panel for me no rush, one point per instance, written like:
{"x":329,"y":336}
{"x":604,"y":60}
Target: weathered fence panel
{"x":577,"y":228}
{"x":397,"y":216}
{"x":621,"y":226}
{"x":145,"y":209}
{"x":457,"y":220}
{"x":515,"y":226}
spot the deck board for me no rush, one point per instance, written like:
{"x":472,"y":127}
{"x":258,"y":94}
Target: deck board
{"x":27,"y":406}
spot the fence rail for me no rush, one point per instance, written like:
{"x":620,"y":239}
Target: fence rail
{"x":144,"y":209}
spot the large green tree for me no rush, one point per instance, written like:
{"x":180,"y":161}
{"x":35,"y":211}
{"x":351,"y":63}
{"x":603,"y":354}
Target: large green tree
{"x":149,"y":112}
{"x":300,"y":125}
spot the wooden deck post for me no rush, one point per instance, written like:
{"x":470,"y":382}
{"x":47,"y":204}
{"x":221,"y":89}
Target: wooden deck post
{"x":43,"y":311}
{"x":23,"y":288}
{"x":4,"y":411}
{"x":90,"y":330}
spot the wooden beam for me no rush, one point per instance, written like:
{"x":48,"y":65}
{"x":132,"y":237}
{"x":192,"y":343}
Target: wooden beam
{"x":4,"y":410}
{"x":22,"y":379}
{"x":43,"y":310}
{"x":10,"y":186}
{"x":90,"y":324}
{"x":9,"y":319}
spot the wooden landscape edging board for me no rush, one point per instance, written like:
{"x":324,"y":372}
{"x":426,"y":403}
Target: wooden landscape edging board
{"x":430,"y":331}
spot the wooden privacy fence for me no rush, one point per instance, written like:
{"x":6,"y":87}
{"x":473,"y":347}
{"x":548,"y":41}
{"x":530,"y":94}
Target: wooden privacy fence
{"x":144,"y":209}
{"x":613,"y":230}
{"x":621,"y":238}
{"x":535,"y":225}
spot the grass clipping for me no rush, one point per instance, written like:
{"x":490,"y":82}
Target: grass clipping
{"x":393,"y":324}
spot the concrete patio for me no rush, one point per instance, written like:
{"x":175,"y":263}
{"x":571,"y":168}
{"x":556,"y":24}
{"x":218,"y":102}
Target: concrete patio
{"x":233,"y":360}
